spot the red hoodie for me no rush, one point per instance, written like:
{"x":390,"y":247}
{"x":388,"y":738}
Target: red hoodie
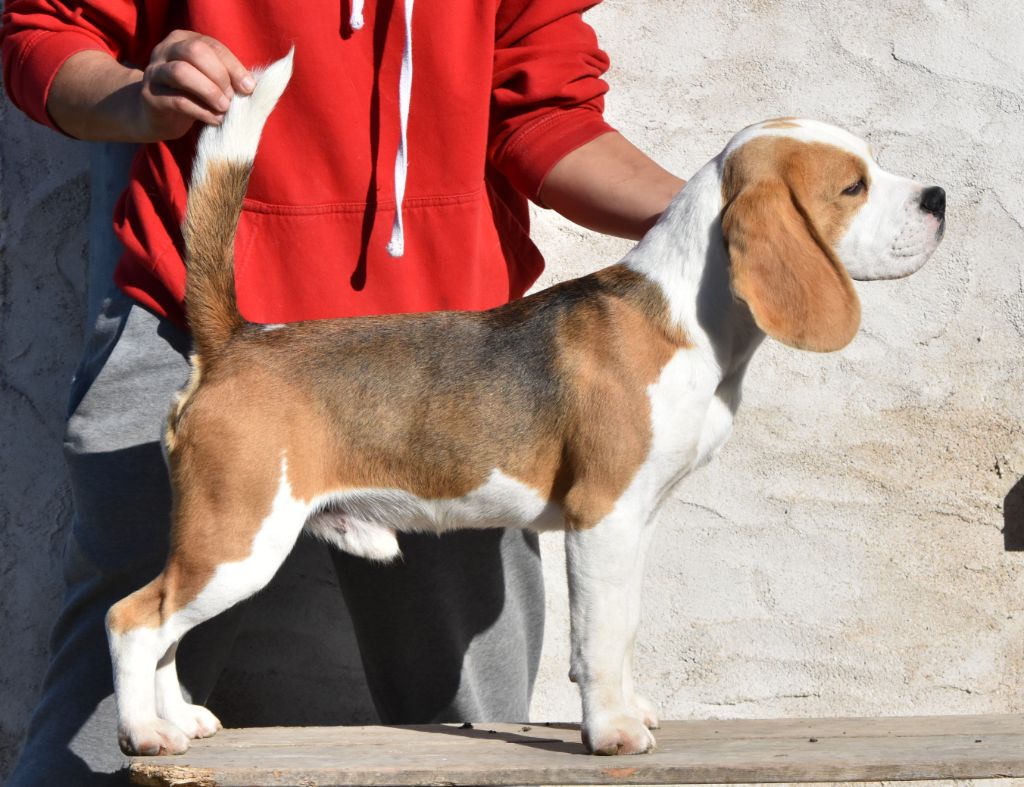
{"x":501,"y":90}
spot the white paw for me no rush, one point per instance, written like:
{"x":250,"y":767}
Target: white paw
{"x":620,"y":734}
{"x":194,"y":720}
{"x":152,"y":737}
{"x":645,"y":710}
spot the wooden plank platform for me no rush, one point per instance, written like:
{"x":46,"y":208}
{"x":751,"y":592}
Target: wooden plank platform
{"x":791,"y":750}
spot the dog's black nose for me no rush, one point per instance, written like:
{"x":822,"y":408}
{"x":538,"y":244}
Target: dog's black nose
{"x":933,"y":200}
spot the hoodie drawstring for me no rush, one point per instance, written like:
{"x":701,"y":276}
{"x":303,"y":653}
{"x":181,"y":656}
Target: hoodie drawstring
{"x":396,"y":246}
{"x":355,"y":17}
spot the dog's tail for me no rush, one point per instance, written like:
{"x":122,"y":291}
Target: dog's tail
{"x":220,"y":175}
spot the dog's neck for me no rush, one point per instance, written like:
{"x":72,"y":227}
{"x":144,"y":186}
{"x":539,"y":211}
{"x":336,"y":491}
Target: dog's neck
{"x":685,"y":254}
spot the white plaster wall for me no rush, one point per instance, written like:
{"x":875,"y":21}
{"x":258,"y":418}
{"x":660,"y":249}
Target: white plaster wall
{"x":845,"y":554}
{"x":853,"y":549}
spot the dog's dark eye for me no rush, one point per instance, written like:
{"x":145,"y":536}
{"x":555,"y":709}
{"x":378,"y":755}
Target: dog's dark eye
{"x":855,"y":189}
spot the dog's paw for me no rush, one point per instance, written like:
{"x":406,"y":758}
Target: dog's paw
{"x":617,"y":735}
{"x":194,"y":720}
{"x":152,"y":737}
{"x":645,"y":710}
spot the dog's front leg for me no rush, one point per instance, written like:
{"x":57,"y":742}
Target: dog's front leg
{"x":604,"y":567}
{"x":639,"y":706}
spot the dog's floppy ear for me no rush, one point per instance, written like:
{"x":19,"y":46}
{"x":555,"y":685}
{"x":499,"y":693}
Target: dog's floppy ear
{"x":796,"y":289}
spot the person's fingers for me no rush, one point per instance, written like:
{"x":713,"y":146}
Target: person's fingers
{"x":190,"y":77}
{"x":175,"y":106}
{"x":159,"y":53}
{"x":183,"y":77}
{"x":199,"y":53}
{"x":207,"y":54}
{"x":241,"y":78}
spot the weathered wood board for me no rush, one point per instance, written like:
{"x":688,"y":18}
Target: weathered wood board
{"x":798,"y":750}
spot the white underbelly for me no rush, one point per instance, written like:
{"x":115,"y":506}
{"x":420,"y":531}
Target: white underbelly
{"x":501,"y":501}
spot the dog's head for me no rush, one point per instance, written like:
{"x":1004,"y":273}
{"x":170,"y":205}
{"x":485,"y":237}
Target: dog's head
{"x":806,"y":209}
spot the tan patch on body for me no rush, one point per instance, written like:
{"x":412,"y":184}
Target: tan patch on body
{"x":612,"y":352}
{"x":224,"y":461}
{"x":784,"y":213}
{"x":788,"y":122}
{"x":142,"y":609}
{"x":551,"y":390}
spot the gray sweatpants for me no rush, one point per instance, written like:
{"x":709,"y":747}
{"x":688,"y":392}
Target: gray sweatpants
{"x":450,"y":633}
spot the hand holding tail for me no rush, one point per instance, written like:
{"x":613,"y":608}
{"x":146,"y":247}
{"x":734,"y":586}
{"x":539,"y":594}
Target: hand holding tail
{"x":220,"y":175}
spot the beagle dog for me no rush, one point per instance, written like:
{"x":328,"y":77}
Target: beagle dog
{"x":578,"y":408}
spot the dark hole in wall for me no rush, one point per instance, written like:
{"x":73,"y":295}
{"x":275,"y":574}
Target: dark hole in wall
{"x":1013,"y":518}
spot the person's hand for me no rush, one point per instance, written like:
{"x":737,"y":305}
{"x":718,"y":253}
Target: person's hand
{"x":190,"y":77}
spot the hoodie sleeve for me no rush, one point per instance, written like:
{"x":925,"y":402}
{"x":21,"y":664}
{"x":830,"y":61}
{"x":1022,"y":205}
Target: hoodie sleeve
{"x":547,"y":94}
{"x":39,"y":35}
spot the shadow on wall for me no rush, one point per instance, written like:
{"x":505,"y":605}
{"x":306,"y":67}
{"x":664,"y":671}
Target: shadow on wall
{"x":1013,"y":518}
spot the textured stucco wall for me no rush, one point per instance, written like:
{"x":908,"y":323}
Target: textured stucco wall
{"x":853,"y":550}
{"x":43,"y":209}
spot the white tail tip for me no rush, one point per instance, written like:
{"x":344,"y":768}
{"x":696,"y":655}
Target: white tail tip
{"x":238,"y":136}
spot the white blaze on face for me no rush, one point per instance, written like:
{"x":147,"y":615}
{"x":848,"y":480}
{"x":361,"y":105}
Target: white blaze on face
{"x":891,"y":236}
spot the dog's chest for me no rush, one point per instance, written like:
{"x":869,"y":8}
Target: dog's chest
{"x":691,"y":417}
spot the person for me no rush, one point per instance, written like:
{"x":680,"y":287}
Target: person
{"x":393,"y":177}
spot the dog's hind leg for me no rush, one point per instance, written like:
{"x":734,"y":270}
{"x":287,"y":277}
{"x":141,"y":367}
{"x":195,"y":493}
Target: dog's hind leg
{"x":222,"y":551}
{"x":138,"y":638}
{"x":194,"y":720}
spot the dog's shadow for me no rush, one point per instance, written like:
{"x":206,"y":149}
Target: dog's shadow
{"x":1013,"y":518}
{"x":535,"y":740}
